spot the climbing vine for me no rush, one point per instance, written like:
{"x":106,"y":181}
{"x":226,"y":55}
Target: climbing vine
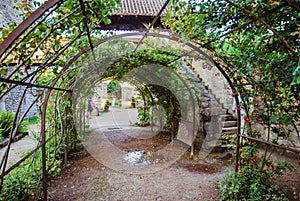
{"x":37,"y":57}
{"x":257,"y":44}
{"x":253,"y":41}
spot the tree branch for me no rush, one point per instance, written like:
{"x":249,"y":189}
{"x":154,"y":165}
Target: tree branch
{"x":285,"y":43}
{"x":251,"y":21}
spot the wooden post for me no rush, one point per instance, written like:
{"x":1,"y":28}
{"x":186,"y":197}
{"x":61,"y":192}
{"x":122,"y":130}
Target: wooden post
{"x":237,"y":156}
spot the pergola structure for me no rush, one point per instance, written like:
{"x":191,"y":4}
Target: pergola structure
{"x":79,"y":20}
{"x":136,"y":15}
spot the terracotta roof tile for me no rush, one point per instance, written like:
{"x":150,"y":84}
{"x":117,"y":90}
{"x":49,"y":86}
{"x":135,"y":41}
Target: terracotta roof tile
{"x":140,"y":7}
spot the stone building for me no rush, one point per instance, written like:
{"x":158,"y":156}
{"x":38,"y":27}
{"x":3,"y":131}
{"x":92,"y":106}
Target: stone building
{"x":127,"y":92}
{"x":10,"y":12}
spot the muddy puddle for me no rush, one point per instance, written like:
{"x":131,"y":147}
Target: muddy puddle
{"x":143,"y":158}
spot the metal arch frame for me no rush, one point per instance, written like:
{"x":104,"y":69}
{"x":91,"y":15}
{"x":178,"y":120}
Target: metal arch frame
{"x":15,"y":34}
{"x":25,"y":24}
{"x":196,"y":48}
{"x":12,"y":37}
{"x":176,"y":39}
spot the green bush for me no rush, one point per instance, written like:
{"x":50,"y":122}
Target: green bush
{"x":26,"y":180}
{"x":253,"y":181}
{"x":250,"y":185}
{"x":143,"y":116}
{"x":6,"y":122}
{"x":21,"y":183}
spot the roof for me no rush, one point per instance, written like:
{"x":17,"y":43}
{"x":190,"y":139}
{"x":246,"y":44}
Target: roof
{"x":140,"y":7}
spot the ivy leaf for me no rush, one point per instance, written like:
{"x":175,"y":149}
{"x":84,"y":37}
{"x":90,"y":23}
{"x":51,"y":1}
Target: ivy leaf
{"x":273,"y":118}
{"x":106,"y":20}
{"x":168,"y":14}
{"x":285,"y":119}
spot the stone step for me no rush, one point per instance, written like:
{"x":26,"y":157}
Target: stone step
{"x":227,"y":124}
{"x":213,"y":142}
{"x":213,"y":110}
{"x":224,"y":111}
{"x":229,"y":130}
{"x":227,"y":117}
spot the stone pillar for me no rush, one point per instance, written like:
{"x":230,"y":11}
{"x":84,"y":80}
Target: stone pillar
{"x":127,"y":93}
{"x":100,"y":95}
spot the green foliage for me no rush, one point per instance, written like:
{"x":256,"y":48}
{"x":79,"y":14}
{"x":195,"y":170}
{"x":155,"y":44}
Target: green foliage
{"x":162,"y":96}
{"x":167,"y":100}
{"x":253,"y":42}
{"x":23,"y":182}
{"x":253,"y":182}
{"x":114,"y":87}
{"x":6,"y":123}
{"x":57,"y":35}
{"x":132,"y":60}
{"x":46,"y":78}
{"x":250,"y":186}
{"x":32,"y":120}
{"x":143,"y":116}
{"x":26,"y":180}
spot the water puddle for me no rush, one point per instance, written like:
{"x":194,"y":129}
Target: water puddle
{"x":137,"y":158}
{"x":143,"y":158}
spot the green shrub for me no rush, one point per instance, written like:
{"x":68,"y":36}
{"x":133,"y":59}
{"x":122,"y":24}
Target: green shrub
{"x":253,"y":181}
{"x":26,"y":180}
{"x":143,"y":116}
{"x":6,"y":122}
{"x":21,"y":183}
{"x":250,"y":185}
{"x":32,"y":120}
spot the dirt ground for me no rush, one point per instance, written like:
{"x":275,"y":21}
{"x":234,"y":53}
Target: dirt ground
{"x":88,"y":179}
{"x":185,"y":180}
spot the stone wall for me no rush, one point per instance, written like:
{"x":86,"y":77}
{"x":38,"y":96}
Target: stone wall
{"x":215,"y":83}
{"x":210,"y":111}
{"x":100,"y":96}
{"x":10,"y":12}
{"x":12,"y":100}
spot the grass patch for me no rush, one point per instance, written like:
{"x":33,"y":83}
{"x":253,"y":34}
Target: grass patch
{"x":33,"y":120}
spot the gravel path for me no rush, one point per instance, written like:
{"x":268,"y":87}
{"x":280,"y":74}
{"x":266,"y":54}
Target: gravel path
{"x":103,"y":174}
{"x":21,"y":147}
{"x":87,"y":179}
